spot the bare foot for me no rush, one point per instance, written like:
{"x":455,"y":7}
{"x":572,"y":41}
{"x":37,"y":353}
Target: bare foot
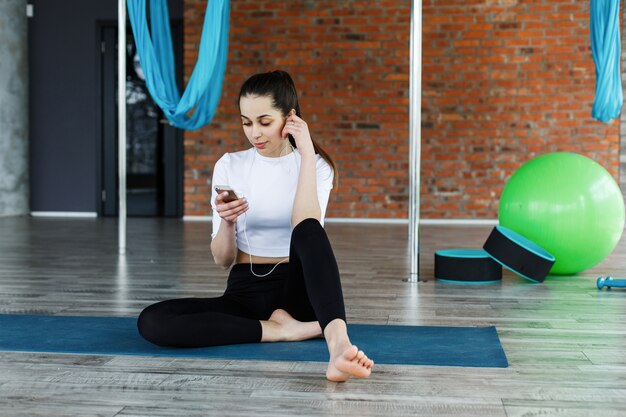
{"x":348,"y":362}
{"x":281,"y":326}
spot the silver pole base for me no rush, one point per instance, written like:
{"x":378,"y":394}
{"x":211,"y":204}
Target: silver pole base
{"x":412,"y":279}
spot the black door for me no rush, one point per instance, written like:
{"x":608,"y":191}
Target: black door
{"x":154,"y":149}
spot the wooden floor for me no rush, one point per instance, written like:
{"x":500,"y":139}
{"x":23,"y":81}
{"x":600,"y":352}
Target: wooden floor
{"x":565,"y":340}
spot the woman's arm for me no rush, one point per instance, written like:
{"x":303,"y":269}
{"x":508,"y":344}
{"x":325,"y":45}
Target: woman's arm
{"x":224,"y":244}
{"x":306,"y":204}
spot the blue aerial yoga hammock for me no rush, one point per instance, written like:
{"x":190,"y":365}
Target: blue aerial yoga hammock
{"x":156,"y":55}
{"x":605,"y":47}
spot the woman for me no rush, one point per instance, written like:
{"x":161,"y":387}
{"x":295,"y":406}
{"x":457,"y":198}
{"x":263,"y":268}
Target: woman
{"x":284,"y":282}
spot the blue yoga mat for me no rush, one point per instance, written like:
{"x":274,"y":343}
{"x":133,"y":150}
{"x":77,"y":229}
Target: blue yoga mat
{"x":402,"y":345}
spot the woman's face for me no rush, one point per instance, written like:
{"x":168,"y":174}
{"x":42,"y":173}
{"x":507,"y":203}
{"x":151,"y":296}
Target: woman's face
{"x":263,"y":125}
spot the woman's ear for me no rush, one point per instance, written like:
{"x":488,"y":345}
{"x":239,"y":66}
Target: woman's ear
{"x":292,"y":112}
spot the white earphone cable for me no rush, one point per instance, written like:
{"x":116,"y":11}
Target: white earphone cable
{"x":245,"y":218}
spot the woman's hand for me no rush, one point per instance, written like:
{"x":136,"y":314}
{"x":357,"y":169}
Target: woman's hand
{"x":230,"y":211}
{"x":298,"y":128}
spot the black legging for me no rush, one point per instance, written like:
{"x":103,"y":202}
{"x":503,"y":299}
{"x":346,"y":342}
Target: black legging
{"x":308,"y":287}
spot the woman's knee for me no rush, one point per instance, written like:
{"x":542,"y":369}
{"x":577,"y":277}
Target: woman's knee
{"x":150,"y":324}
{"x":306,"y":229}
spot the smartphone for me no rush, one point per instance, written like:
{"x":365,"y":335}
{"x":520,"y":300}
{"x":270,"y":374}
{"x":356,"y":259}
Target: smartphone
{"x":232,"y":196}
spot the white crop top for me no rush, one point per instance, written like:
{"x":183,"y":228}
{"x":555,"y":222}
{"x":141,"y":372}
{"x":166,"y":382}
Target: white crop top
{"x":269,"y":185}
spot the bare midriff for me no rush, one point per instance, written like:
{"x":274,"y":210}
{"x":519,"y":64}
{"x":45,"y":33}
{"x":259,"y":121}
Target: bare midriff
{"x":244,"y":258}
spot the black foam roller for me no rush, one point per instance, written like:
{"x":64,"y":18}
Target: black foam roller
{"x":466,"y":266}
{"x":519,"y":254}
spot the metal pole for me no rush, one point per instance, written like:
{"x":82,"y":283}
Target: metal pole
{"x":415,"y":122}
{"x":121,"y":121}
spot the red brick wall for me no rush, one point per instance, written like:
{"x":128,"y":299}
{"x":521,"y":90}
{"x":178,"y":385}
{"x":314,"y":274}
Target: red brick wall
{"x":503,"y":81}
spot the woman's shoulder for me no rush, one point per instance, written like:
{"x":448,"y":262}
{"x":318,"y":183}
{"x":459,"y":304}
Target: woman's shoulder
{"x":320,"y":160}
{"x":235,"y":158}
{"x":322,"y":164}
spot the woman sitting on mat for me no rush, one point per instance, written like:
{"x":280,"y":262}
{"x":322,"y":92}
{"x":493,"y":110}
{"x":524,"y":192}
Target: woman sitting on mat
{"x":284,"y":284}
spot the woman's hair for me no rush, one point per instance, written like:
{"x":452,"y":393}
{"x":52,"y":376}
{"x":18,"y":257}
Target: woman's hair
{"x":280,"y":87}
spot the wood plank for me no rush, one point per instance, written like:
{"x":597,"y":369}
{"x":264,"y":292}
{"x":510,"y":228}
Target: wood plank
{"x":563,"y":338}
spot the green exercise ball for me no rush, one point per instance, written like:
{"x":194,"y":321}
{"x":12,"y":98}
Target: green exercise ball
{"x":569,"y":205}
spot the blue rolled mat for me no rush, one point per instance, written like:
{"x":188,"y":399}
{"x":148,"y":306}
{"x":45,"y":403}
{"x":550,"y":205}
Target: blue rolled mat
{"x":385,"y":344}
